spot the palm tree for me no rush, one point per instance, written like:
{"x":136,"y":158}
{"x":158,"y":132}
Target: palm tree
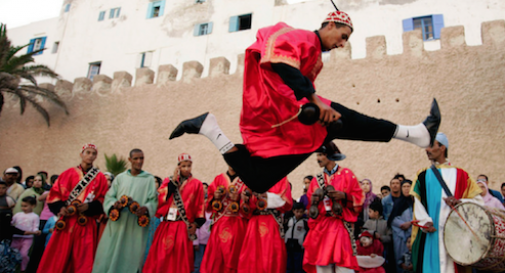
{"x":13,"y":69}
{"x":115,"y":165}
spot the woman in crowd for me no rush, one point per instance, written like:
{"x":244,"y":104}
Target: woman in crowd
{"x":400,"y":221}
{"x":35,"y":191}
{"x":489,"y":200}
{"x":366,"y":186}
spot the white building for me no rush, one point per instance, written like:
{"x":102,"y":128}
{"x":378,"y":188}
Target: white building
{"x":98,"y":36}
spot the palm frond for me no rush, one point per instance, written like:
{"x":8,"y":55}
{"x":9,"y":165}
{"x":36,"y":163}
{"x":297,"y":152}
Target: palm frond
{"x":45,"y":93}
{"x":40,"y":70}
{"x":15,"y":49}
{"x":21,"y":96}
{"x":115,"y":165}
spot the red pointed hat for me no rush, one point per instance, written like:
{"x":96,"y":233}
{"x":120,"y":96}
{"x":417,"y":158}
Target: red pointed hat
{"x":89,"y":145}
{"x":184,"y":157}
{"x":366,"y":233}
{"x":339,"y":17}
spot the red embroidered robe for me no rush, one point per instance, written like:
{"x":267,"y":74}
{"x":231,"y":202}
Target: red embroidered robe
{"x":73,"y":248}
{"x":268,"y":101}
{"x":172,"y":250}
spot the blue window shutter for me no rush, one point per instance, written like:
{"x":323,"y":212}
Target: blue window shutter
{"x":111,"y":13}
{"x":30,"y":47}
{"x":162,"y":7}
{"x":209,"y":27}
{"x":67,"y":7}
{"x":118,"y":12}
{"x":438,"y":24}
{"x":150,"y":11}
{"x":196,"y":30}
{"x":408,"y":25}
{"x":233,"y":24}
{"x":42,"y":44}
{"x":101,"y":15}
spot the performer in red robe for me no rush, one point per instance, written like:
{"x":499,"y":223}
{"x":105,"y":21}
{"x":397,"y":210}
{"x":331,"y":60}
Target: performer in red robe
{"x":72,"y":249}
{"x":279,"y":74}
{"x":229,"y":224}
{"x":172,"y":250}
{"x":328,"y":245}
{"x":264,"y":250}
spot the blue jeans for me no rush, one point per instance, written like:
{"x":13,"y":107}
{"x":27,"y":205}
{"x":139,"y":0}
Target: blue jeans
{"x":198,"y":257}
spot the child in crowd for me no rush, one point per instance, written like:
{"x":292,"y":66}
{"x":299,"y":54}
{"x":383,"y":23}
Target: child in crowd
{"x":385,"y":190}
{"x":49,"y":228}
{"x":368,"y":246}
{"x":378,"y":227}
{"x":406,"y":260}
{"x":295,"y":235}
{"x":25,"y":220}
{"x":376,"y":224}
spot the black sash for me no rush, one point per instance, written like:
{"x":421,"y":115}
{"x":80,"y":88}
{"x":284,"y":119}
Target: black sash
{"x":182,"y":211}
{"x":441,"y":181}
{"x":81,"y":186}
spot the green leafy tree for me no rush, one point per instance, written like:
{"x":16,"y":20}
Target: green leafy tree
{"x":115,"y":165}
{"x":14,"y":69}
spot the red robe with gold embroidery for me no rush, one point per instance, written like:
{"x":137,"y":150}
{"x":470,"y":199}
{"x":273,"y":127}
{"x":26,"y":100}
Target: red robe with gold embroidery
{"x":328,"y":241}
{"x":227,"y":234}
{"x":172,"y":250}
{"x":268,"y":101}
{"x":73,"y":248}
{"x":264,"y":250}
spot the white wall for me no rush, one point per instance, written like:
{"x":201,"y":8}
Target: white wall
{"x":118,"y":42}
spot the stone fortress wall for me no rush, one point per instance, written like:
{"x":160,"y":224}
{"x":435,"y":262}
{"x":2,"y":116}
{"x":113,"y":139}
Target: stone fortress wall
{"x":119,"y":114}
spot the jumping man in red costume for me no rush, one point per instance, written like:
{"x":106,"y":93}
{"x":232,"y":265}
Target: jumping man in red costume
{"x":72,"y":249}
{"x":279,"y":74}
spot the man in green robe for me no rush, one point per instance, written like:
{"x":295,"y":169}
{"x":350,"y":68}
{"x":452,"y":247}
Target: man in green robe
{"x":121,"y":248}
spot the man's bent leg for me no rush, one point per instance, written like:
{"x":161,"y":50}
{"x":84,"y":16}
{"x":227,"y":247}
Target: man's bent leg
{"x":260,"y":174}
{"x":357,"y":126}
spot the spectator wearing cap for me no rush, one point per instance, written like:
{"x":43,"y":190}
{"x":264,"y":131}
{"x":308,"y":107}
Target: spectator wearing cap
{"x":483,"y":178}
{"x":14,"y":189}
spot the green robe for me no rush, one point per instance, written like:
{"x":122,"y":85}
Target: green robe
{"x":29,"y":192}
{"x":122,"y":246}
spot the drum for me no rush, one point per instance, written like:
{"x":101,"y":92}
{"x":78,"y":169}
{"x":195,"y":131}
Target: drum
{"x":484,"y":248}
{"x":369,"y":262}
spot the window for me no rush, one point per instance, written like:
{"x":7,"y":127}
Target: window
{"x":94,"y":69}
{"x":241,"y":22}
{"x":199,"y":1}
{"x":55,"y":47}
{"x":155,"y":9}
{"x":114,"y":13}
{"x":67,"y":7}
{"x":203,"y":29}
{"x":430,"y":25}
{"x":101,"y":15}
{"x":144,"y":59}
{"x":37,"y":44}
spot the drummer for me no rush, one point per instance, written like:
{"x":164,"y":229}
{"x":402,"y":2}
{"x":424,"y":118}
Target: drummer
{"x":430,"y":213}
